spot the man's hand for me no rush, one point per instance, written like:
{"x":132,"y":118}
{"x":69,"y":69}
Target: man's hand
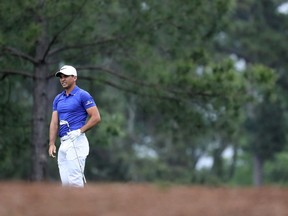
{"x":74,"y":134}
{"x":52,"y":150}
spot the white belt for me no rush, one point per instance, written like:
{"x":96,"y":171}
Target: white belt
{"x":64,"y":138}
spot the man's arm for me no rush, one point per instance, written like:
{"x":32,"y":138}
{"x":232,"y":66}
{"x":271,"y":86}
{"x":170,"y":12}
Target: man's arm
{"x":53,"y":134}
{"x":94,"y":119}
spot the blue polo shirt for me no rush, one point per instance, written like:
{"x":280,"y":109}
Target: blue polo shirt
{"x":72,"y":108}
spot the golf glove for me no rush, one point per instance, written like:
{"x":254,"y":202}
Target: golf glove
{"x":74,"y":134}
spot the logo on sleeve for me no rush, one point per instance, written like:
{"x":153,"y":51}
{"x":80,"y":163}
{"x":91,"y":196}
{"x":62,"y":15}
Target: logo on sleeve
{"x":88,"y":102}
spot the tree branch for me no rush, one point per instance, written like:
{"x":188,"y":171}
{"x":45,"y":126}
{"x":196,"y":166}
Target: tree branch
{"x":148,"y":85}
{"x":15,"y":72}
{"x":133,"y":91}
{"x":81,"y":46}
{"x":54,"y":39}
{"x":18,"y":53}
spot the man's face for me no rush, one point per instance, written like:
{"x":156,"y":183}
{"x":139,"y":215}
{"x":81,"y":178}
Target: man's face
{"x":67,"y":81}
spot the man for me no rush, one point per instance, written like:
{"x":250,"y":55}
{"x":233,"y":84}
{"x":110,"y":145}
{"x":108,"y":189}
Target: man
{"x":70,"y":111}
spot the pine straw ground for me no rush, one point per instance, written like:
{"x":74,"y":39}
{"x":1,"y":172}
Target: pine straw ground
{"x":23,"y":199}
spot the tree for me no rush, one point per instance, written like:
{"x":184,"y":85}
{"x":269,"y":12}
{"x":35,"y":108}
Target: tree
{"x":242,"y":39}
{"x":15,"y":129}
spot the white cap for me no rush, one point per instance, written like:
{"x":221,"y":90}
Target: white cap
{"x":67,"y":70}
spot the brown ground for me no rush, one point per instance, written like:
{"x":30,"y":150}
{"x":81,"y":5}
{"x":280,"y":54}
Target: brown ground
{"x":23,"y":199}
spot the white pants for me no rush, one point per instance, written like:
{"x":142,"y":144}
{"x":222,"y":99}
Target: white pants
{"x":70,"y":168}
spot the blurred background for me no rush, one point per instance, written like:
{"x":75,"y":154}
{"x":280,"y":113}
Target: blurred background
{"x":190,"y":91}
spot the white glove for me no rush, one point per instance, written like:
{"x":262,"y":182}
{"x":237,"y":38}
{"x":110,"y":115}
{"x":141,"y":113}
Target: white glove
{"x":74,"y":134}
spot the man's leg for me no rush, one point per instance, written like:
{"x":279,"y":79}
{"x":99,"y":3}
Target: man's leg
{"x":63,"y":166}
{"x":76,"y":156}
{"x":74,"y":171}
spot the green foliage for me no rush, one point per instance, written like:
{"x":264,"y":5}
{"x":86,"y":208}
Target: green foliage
{"x":257,"y":35}
{"x":15,"y":131}
{"x":276,"y":170}
{"x":111,"y":128}
{"x":268,"y":118}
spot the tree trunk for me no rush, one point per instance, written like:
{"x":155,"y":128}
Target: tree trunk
{"x":40,"y":109}
{"x":217,"y":168}
{"x":257,"y":170}
{"x":40,"y":127}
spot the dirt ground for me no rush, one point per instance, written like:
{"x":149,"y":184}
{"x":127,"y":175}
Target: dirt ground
{"x":21,"y":199}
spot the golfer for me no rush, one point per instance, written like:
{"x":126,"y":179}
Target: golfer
{"x":71,"y":108}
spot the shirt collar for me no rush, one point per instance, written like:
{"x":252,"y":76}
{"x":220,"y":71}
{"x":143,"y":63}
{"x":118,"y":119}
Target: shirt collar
{"x":73,"y":92}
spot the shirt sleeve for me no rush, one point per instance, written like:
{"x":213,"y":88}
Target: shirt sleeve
{"x":87,"y":100}
{"x":55,"y":102}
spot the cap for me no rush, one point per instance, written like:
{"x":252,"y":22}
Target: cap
{"x":66,"y":70}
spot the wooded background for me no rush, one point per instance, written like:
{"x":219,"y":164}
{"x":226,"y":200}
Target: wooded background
{"x":190,"y":91}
